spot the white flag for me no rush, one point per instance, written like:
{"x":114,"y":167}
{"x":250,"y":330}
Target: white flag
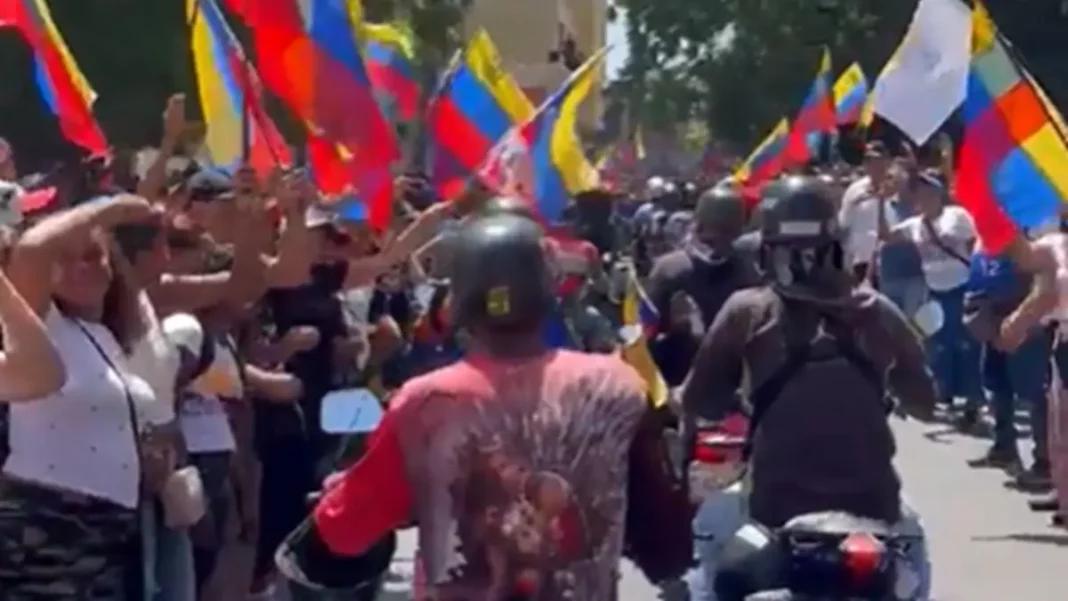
{"x":508,"y":168}
{"x":928,"y":78}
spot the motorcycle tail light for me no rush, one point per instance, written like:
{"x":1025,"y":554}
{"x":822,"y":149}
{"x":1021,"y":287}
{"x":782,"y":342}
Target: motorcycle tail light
{"x":862,"y":555}
{"x":710,"y":454}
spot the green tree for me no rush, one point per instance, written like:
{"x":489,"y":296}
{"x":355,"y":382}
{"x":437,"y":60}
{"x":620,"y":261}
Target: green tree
{"x":747,"y":63}
{"x":136,"y":53}
{"x":437,"y":26}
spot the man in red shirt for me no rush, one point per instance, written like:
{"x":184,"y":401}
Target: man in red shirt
{"x":514,"y":461}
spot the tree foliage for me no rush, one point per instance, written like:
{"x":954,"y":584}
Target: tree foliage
{"x":136,"y":53}
{"x":740,"y":65}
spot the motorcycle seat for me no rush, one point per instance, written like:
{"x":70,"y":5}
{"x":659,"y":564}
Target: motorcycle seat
{"x":780,"y":594}
{"x":835,"y":523}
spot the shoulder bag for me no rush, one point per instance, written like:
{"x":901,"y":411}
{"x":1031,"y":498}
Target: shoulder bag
{"x":181,"y":492}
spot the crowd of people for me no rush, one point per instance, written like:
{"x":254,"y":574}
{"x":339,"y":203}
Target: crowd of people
{"x":168,"y":341}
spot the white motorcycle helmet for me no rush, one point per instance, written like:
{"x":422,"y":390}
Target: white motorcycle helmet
{"x":655,"y":186}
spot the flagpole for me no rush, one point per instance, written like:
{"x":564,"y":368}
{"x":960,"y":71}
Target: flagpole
{"x":246,"y":127}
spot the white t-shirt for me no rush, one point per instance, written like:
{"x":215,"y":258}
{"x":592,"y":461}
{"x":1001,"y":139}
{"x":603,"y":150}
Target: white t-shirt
{"x":956,"y":230}
{"x":859,"y":217}
{"x":156,"y":360}
{"x":201,"y":416}
{"x":204,"y":424}
{"x":81,"y":438}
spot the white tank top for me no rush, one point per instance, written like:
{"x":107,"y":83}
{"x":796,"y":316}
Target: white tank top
{"x":81,"y":438}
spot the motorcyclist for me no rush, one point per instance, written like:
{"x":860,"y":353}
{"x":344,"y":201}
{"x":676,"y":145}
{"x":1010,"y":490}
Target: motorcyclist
{"x":515,"y":461}
{"x":575,"y":322}
{"x":708,"y":267}
{"x":819,"y":354}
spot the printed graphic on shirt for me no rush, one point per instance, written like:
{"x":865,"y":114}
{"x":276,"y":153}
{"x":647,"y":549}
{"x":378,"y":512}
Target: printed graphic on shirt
{"x":533,"y":482}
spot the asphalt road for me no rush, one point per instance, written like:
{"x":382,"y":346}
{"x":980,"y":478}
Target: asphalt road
{"x":986,"y":544}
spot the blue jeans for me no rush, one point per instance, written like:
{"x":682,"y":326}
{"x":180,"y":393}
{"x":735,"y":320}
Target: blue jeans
{"x":1023,"y":376}
{"x":908,"y":294}
{"x":953,"y":354}
{"x":167,"y":558}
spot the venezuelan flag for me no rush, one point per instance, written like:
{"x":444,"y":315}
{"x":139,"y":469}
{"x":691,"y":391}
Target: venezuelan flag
{"x":62,"y":85}
{"x":390,"y":57}
{"x":850,"y":95}
{"x":311,"y":61}
{"x":477,"y":104}
{"x":284,"y":53}
{"x":815,"y":119}
{"x":558,"y":163}
{"x":328,"y":167}
{"x":345,"y":100}
{"x":638,"y":309}
{"x":635,"y":349}
{"x":765,"y":162}
{"x":229,"y":94}
{"x":1010,"y":174}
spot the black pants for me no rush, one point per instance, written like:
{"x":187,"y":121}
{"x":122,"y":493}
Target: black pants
{"x":288,"y":477}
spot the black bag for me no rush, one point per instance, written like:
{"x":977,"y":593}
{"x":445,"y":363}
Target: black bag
{"x":658,"y":535}
{"x":800,"y":355}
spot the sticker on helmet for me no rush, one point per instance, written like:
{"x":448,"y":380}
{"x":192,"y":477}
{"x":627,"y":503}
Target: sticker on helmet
{"x":498,"y":302}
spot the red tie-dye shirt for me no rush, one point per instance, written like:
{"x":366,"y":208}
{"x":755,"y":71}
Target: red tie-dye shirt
{"x":515,"y":471}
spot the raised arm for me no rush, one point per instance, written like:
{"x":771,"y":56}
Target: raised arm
{"x":37,"y":251}
{"x":30,"y":367}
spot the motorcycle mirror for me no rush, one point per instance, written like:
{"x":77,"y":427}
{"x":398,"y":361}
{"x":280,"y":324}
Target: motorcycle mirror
{"x":350,"y":411}
{"x":929,"y":318}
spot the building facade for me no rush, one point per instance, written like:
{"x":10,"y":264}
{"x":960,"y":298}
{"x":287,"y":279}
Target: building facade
{"x":526,"y":31}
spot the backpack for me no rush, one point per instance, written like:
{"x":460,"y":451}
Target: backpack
{"x":839,"y":347}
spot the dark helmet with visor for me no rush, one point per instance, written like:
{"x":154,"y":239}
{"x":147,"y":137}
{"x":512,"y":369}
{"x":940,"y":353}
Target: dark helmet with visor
{"x":801,"y":237}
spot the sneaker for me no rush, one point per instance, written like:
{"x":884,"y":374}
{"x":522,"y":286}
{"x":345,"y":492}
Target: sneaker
{"x":968,"y":421}
{"x":1035,"y":479}
{"x":997,"y":458}
{"x":1043,"y":504}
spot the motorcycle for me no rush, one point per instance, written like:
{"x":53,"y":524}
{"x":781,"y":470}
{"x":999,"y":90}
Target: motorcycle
{"x":827,"y":556}
{"x":352,"y":413}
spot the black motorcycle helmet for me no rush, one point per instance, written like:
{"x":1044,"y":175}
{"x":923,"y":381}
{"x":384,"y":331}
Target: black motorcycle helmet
{"x":502,"y":282}
{"x":719,"y":214}
{"x":508,"y":205}
{"x":801,"y":239}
